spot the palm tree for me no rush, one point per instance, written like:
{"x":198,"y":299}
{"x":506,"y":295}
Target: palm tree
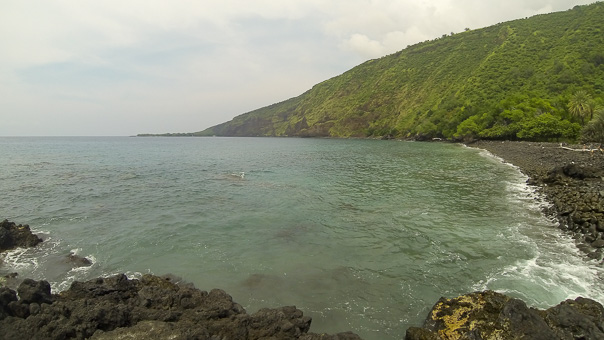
{"x":582,"y":106}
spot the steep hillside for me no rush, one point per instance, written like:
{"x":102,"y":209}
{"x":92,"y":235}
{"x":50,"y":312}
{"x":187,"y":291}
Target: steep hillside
{"x":511,"y":80}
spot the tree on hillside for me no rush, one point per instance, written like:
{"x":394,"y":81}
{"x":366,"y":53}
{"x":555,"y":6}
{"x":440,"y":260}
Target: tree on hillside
{"x":582,"y":106}
{"x":594,"y":130}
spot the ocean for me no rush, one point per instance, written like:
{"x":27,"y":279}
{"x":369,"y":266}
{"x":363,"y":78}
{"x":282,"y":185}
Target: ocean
{"x":362,"y":235}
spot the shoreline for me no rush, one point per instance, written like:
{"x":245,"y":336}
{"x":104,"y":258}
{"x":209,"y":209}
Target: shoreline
{"x":571,"y":182}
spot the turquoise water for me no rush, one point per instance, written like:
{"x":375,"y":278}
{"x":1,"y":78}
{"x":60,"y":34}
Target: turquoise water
{"x":361,"y":235}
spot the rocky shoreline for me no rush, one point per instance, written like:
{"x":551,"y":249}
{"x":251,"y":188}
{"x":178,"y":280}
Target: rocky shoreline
{"x":161,"y":308}
{"x":570,"y":178}
{"x":150,"y":308}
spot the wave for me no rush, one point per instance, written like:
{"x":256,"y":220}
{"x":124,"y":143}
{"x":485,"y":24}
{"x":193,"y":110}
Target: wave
{"x":49,"y":261}
{"x":556,"y":269}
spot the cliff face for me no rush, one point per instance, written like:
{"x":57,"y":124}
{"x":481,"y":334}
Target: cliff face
{"x":499,"y":80}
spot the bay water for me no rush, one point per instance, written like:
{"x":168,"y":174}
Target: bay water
{"x":362,"y":235}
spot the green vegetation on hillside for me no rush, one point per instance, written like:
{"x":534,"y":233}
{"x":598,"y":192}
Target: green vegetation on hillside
{"x":531,"y":79}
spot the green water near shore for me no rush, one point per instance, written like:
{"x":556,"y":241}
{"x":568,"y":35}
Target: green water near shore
{"x":361,"y":235}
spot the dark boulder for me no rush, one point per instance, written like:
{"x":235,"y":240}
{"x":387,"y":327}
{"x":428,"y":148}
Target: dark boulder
{"x":34,"y":291}
{"x":581,"y":172}
{"x":14,"y":236}
{"x":573,"y":171}
{"x":599,"y":243}
{"x":576,"y":319}
{"x":76,"y":261}
{"x":6,"y":297}
{"x":284,"y":322}
{"x":115,"y":288}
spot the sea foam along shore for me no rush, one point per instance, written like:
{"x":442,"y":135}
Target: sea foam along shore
{"x":570,"y":178}
{"x":161,"y":308}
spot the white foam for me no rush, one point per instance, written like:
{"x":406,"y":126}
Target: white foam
{"x":21,"y":259}
{"x":75,"y":274}
{"x":43,"y":262}
{"x":557,"y":270}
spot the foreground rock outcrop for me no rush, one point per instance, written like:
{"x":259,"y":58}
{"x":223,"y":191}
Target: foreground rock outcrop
{"x":15,"y":236}
{"x":490,"y":315}
{"x":152,"y":307}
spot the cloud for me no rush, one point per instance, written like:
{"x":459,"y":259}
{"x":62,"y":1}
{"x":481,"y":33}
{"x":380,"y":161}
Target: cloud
{"x":377,"y":27}
{"x":71,"y":67}
{"x":364,"y":46}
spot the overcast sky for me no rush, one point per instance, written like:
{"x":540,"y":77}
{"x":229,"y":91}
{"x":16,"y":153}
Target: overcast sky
{"x":105,"y":68}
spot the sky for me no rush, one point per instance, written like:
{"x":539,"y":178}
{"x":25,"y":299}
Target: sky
{"x":119,"y":68}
